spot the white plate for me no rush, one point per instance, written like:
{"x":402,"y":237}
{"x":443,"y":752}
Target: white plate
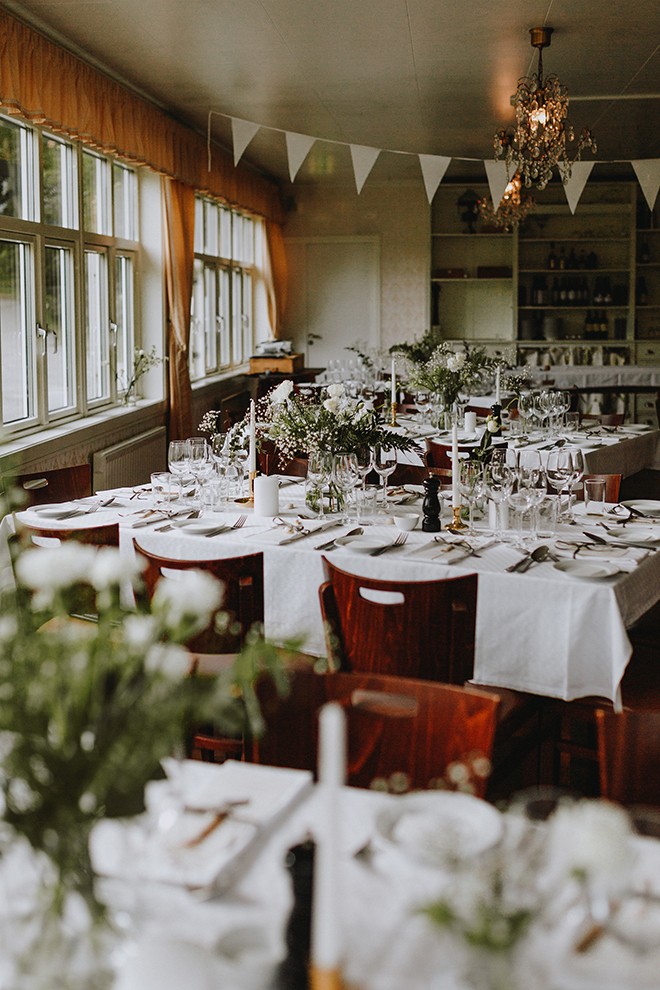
{"x":636,"y":534}
{"x":55,"y":511}
{"x":359,"y":544}
{"x":636,"y":428}
{"x":198,"y":526}
{"x":650,"y":507}
{"x":591,"y":570}
{"x":435,"y":826}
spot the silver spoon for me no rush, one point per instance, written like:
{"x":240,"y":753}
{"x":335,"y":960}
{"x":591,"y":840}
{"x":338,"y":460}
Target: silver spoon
{"x":535,"y":557}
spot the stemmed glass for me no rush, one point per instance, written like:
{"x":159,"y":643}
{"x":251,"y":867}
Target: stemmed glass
{"x":199,"y":460}
{"x":564,"y":469}
{"x":562,"y":405}
{"x":498,"y":485}
{"x":545,"y":402}
{"x":525,"y":408}
{"x":422,"y":405}
{"x":345,"y":476}
{"x":177,"y":460}
{"x":319,"y":472}
{"x":364,"y":457}
{"x":532,"y":473}
{"x":471,"y":486}
{"x":384,"y":463}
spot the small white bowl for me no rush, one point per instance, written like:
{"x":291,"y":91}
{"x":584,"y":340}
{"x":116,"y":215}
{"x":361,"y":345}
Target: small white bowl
{"x":406,"y":520}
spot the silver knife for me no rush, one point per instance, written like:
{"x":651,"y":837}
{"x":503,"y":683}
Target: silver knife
{"x":309,"y":532}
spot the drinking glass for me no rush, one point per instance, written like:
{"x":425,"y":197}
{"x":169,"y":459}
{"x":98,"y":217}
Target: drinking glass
{"x":422,"y":405}
{"x":364,"y":457}
{"x":319,"y":470}
{"x":199,"y":460}
{"x":545,"y":403}
{"x":177,"y":460}
{"x":384,"y":463}
{"x":532,"y":473}
{"x":345,"y":476}
{"x":525,"y":408}
{"x":565,"y":468}
{"x":471,"y":486}
{"x":498,"y":484}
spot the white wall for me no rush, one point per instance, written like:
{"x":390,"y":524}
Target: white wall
{"x":398,"y":214}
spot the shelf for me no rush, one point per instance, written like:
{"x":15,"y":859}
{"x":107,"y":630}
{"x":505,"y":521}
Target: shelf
{"x":556,"y":239}
{"x":576,"y":308}
{"x":470,"y":280}
{"x":574,"y":342}
{"x":571,"y":272}
{"x":472,"y":237}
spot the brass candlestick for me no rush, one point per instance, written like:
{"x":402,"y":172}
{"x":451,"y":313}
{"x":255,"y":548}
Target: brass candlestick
{"x":252,"y":476}
{"x":325,"y":979}
{"x":394,"y":409}
{"x":457,"y":524}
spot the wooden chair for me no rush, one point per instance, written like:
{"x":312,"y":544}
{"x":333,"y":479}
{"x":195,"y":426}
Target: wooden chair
{"x":629,"y":756}
{"x":59,"y":485}
{"x":214,"y":649}
{"x":243,"y":580}
{"x":401,"y":731}
{"x":438,"y":455}
{"x":602,"y":419}
{"x":272,"y":462}
{"x":424,"y":629}
{"x":106,"y":535}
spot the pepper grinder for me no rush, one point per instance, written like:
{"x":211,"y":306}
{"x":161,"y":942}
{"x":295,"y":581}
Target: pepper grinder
{"x":431,"y":505}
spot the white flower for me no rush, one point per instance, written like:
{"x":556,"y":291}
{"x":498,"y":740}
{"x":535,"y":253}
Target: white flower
{"x":169,"y":660}
{"x":8,"y":627}
{"x":492,"y":425}
{"x":456,"y":361}
{"x":336,"y":390}
{"x":56,"y":567}
{"x":332,"y":404}
{"x":109,"y":568}
{"x":282,"y":392}
{"x":139,"y":631}
{"x":590,"y":838}
{"x":192,"y":594}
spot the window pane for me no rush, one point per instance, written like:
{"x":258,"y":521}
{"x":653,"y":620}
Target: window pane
{"x":199,"y":225}
{"x":125,"y":193}
{"x":224,"y":318}
{"x":58,"y":182}
{"x":237,"y":240}
{"x":236,"y":321}
{"x":125,"y":320}
{"x":248,"y":241}
{"x":14,"y":170}
{"x":17,"y":351}
{"x":210,"y":228}
{"x":96,"y":194}
{"x":96,"y":326}
{"x":246,"y":317}
{"x":197,"y":346}
{"x":211,"y":322}
{"x":225,"y":233}
{"x":60,"y":338}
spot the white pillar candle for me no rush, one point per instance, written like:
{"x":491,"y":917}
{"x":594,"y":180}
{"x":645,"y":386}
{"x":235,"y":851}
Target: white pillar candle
{"x":497,"y":387}
{"x":455,"y":497}
{"x":393,"y":381}
{"x":326,"y":943}
{"x":266,"y":495}
{"x":470,"y":423}
{"x":252,"y":455}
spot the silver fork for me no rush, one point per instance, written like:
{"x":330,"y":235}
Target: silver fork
{"x":400,"y":540}
{"x":240,"y":522}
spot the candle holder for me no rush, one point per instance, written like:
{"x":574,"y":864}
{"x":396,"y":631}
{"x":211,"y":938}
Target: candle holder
{"x":456,"y":525}
{"x":325,"y":979}
{"x":393,"y":418}
{"x":250,"y":500}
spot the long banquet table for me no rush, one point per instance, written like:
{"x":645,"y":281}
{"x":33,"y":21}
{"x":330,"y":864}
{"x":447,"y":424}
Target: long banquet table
{"x":544,"y":631}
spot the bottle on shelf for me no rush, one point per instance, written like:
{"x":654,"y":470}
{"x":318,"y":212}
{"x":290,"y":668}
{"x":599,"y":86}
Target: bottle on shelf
{"x":641,"y":293}
{"x":562,"y":258}
{"x":563,"y":292}
{"x":554,"y":295}
{"x":645,"y":253}
{"x":592,"y":260}
{"x":552,"y":257}
{"x":571,"y":295}
{"x":582,"y":260}
{"x":572,"y":261}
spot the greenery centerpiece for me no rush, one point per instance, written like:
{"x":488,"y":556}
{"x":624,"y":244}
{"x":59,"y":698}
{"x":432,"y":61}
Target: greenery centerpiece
{"x":88,"y":709}
{"x":450,"y":373}
{"x":143,"y":361}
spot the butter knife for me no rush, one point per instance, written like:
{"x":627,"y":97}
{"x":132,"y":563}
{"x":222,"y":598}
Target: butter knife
{"x":309,"y":532}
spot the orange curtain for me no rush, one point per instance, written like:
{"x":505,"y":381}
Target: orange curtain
{"x":276,"y":277}
{"x":48,"y":85}
{"x":179,"y":227}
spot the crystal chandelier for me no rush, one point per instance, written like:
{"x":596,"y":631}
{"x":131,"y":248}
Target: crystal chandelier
{"x":514,"y":206}
{"x":542,"y":135}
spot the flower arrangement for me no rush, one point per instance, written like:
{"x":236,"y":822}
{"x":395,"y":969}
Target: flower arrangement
{"x":143,"y":361}
{"x":449,"y":372}
{"x":88,"y":709}
{"x":327,"y":422}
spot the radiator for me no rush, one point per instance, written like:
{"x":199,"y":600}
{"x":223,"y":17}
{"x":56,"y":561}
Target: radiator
{"x":131,"y":461}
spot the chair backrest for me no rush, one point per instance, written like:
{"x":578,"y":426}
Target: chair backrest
{"x":629,"y":756}
{"x":59,"y":485}
{"x":271,"y":461}
{"x":106,"y":535}
{"x":419,"y":629}
{"x":438,"y":455}
{"x":399,"y":728}
{"x":243,"y":580}
{"x":612,"y":485}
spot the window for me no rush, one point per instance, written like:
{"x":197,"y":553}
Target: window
{"x":221,"y":332}
{"x":68,"y":292}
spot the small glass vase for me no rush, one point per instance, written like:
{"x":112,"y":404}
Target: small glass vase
{"x":491,"y":969}
{"x":333,"y":498}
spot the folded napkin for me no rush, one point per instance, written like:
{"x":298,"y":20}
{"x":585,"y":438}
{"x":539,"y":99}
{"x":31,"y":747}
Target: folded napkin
{"x":449,"y":549}
{"x":281,"y":535}
{"x":626,"y":558}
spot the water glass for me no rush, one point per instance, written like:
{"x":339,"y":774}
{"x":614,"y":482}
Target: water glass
{"x":594,"y":496}
{"x":164,"y":489}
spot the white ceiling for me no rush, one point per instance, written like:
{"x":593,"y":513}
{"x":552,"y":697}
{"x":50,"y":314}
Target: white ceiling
{"x":413,"y":76}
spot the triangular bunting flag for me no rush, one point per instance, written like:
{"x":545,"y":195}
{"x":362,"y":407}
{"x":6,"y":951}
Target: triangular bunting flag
{"x":364,"y":160}
{"x":433,"y":171}
{"x":242,"y":132}
{"x":647,"y":171}
{"x":297,"y":149}
{"x":497,"y":181}
{"x":574,"y":186}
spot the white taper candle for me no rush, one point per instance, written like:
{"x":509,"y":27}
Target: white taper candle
{"x":455,"y":496}
{"x":252,"y":455}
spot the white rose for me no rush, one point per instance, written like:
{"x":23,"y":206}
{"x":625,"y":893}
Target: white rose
{"x":332,"y":404}
{"x":111,"y":568}
{"x":55,"y":567}
{"x":169,"y":660}
{"x":335,"y":391}
{"x":281,"y":393}
{"x":192,"y":594}
{"x":455,"y":362}
{"x":492,"y":425}
{"x":139,"y":631}
{"x":590,"y":837}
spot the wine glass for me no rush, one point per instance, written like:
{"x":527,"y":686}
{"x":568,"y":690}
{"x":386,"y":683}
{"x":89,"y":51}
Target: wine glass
{"x":578,"y":469}
{"x":384,"y":463}
{"x":199,"y":459}
{"x":319,"y":471}
{"x":345,"y":476}
{"x":561,"y":471}
{"x":498,"y":484}
{"x":471,"y":486}
{"x":177,"y":461}
{"x":364,"y":457}
{"x":525,"y":408}
{"x":532,"y":475}
{"x":422,"y":404}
